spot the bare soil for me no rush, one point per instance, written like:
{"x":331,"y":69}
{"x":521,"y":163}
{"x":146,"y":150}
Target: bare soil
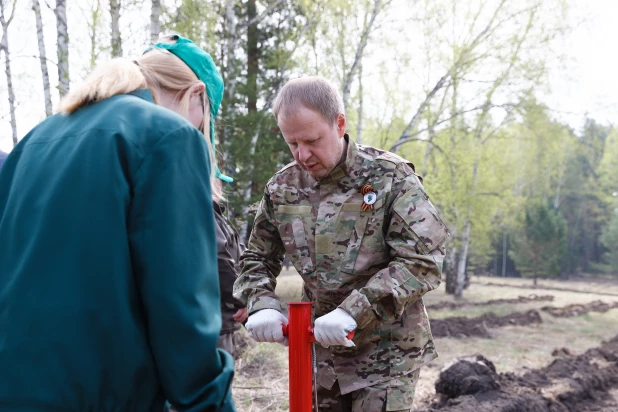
{"x":584,"y":383}
{"x":463,"y":327}
{"x":579,"y":309}
{"x":521,"y":299}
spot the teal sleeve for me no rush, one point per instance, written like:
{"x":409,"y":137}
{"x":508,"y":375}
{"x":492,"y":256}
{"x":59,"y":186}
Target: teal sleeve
{"x":174,"y":253}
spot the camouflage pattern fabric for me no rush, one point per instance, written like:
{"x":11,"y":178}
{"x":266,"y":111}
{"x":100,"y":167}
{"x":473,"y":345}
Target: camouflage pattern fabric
{"x":394,"y":395}
{"x":229,"y":250}
{"x":374,"y":264}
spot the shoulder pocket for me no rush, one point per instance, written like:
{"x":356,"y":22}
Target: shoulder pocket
{"x":422,"y":218}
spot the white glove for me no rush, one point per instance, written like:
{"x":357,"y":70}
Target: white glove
{"x":333,"y":328}
{"x":266,"y":325}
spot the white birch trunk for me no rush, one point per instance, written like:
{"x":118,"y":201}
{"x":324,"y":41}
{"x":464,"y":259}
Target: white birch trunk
{"x":463,"y":260}
{"x":359,"y":127}
{"x":63,"y":47}
{"x":114,"y":9}
{"x":155,"y":22}
{"x":360,"y":48}
{"x":4,"y":45}
{"x":93,"y":28}
{"x":36,"y":7}
{"x":465,"y":240}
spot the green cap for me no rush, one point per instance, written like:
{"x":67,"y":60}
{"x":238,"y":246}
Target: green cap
{"x":204,"y":68}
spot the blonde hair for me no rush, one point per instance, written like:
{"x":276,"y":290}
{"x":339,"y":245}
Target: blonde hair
{"x":313,"y":92}
{"x":155,"y":70}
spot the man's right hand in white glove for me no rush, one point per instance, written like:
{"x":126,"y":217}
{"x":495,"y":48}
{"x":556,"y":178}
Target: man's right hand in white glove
{"x":266,"y":325}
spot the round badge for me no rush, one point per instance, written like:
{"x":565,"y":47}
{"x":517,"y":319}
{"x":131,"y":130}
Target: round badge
{"x":370,"y":198}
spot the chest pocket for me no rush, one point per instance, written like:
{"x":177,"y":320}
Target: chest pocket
{"x":294,"y":235}
{"x":351,"y":230}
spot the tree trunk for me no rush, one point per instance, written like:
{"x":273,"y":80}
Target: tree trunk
{"x":4,"y":45}
{"x":114,"y":9}
{"x":155,"y":23}
{"x":252,"y":58}
{"x":63,"y":47}
{"x":36,"y":7}
{"x":504,"y":253}
{"x":465,"y":241}
{"x":450,"y":270}
{"x":93,"y":26}
{"x":360,"y":49}
{"x":359,"y":127}
{"x":252,"y":71}
{"x":460,"y":278}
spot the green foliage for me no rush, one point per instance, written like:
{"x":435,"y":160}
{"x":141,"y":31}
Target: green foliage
{"x":540,"y":245}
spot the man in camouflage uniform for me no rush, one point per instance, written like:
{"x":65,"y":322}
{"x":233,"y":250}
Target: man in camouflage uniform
{"x":366,"y":259}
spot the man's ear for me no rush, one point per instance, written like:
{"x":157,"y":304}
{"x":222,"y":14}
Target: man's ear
{"x":340,"y":124}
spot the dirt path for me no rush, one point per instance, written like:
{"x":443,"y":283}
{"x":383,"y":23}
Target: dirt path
{"x":461,"y":327}
{"x":578,"y":309}
{"x":584,"y":383}
{"x":520,"y":299}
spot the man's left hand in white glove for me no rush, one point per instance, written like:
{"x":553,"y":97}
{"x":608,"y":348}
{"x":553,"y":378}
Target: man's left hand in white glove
{"x":333,"y":328}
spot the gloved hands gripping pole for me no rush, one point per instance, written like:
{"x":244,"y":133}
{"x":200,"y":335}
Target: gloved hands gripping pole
{"x":333,"y":328}
{"x":266,"y":325}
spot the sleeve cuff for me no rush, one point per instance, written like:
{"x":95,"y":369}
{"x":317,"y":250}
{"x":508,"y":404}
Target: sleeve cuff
{"x":358,"y":306}
{"x":264,"y":302}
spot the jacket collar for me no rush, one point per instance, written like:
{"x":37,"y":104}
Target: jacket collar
{"x":346,"y":167}
{"x":144,"y":94}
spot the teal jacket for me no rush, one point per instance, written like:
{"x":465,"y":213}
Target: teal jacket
{"x":109,"y":294}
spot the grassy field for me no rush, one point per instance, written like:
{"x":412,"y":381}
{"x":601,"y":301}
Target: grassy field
{"x":262,"y":375}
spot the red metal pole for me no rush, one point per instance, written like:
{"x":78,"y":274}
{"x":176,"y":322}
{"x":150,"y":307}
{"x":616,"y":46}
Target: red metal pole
{"x":300,"y":355}
{"x":300,"y":337}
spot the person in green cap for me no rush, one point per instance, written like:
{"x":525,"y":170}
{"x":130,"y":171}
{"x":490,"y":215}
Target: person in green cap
{"x":108,"y":286}
{"x":229,"y":247}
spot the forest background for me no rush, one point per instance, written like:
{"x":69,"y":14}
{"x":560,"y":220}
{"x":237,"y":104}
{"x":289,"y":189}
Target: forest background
{"x":504,"y":106}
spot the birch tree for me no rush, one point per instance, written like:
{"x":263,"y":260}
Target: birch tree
{"x":62,"y":47}
{"x":494,"y":60}
{"x":36,"y":7}
{"x":344,"y":32}
{"x":155,"y":21}
{"x":114,"y":9}
{"x":94,"y":17}
{"x":4,"y":46}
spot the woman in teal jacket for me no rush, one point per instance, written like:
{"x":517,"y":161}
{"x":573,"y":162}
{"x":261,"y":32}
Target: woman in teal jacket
{"x":108,"y":301}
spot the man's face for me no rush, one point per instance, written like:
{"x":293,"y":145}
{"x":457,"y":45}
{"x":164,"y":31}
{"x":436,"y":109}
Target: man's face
{"x":317,"y":146}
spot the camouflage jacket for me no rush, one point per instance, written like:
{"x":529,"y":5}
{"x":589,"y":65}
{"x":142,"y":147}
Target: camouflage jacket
{"x":229,"y":249}
{"x":374,"y":264}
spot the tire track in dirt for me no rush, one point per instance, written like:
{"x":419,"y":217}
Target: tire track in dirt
{"x":545,"y":288}
{"x":570,"y":383}
{"x":520,"y":299}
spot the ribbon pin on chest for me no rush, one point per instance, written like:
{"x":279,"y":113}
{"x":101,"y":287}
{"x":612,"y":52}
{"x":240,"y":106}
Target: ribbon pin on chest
{"x":369,"y":197}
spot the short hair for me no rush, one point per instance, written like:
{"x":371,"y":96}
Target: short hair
{"x":313,"y":92}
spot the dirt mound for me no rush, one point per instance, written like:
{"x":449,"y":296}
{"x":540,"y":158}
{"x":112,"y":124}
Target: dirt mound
{"x":570,"y":383}
{"x":520,"y":299}
{"x":460,"y":326}
{"x":578,"y":309}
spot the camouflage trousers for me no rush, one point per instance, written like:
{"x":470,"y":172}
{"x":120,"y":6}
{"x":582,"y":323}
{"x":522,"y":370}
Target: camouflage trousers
{"x":394,"y":395}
